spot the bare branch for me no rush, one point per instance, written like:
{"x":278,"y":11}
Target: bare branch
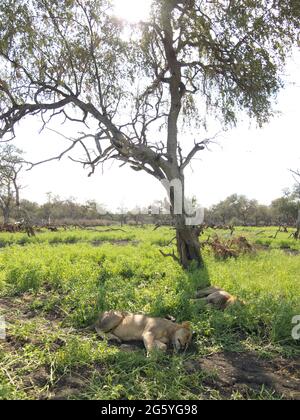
{"x":296,"y":175}
{"x":175,"y":258}
{"x":197,"y":148}
{"x":18,"y":112}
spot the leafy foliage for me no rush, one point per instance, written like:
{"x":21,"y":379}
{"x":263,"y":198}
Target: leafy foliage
{"x":58,"y":56}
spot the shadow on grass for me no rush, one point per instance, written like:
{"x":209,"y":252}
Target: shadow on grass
{"x":185,"y":289}
{"x":245,"y":375}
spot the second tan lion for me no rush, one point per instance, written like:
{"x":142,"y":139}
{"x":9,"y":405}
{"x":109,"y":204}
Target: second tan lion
{"x":156,"y":333}
{"x":216,"y":297}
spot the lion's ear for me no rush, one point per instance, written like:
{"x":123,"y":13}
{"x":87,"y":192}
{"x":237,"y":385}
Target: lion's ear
{"x":186,"y":325}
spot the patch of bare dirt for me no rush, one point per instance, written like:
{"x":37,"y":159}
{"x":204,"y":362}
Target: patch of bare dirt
{"x":246,"y":373}
{"x":18,"y":309}
{"x":11,"y":308}
{"x":14,"y":308}
{"x":38,"y":378}
{"x":288,"y":251}
{"x":72,"y":384}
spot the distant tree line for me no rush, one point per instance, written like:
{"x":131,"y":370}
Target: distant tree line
{"x":239,"y":210}
{"x":234,"y":210}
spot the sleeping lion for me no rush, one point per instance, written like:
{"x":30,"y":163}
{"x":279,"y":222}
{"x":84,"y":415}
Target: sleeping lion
{"x":217,"y":297}
{"x":156,"y":333}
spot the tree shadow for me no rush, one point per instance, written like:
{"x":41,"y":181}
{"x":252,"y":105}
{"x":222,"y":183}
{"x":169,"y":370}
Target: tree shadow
{"x":245,"y":373}
{"x":188,"y":283}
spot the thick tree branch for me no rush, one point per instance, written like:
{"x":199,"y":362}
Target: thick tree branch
{"x":198,"y":147}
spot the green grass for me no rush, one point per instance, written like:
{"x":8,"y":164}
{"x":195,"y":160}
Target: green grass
{"x":263,"y":236}
{"x":65,"y":237}
{"x":65,"y":286}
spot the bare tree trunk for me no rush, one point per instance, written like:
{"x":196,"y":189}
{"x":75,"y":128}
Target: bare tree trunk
{"x":244,"y":219}
{"x":297,"y":233}
{"x":188,"y":245}
{"x":187,"y":236}
{"x":6,"y":215}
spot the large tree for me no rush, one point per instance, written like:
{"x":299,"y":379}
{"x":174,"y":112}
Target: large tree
{"x":139,"y":89}
{"x":296,"y":195}
{"x":10,"y":168}
{"x":285,"y":210}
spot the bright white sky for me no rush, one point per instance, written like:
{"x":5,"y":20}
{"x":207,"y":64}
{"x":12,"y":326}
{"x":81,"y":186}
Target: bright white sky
{"x":132,"y":10}
{"x":247,"y":160}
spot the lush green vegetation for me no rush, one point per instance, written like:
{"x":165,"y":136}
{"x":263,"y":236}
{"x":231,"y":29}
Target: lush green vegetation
{"x":265,"y":236}
{"x":53,"y":286}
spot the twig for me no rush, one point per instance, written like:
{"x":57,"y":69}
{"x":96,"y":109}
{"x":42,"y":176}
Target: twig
{"x":175,"y":258}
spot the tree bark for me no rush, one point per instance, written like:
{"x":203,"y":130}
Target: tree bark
{"x":6,"y":215}
{"x":171,"y":171}
{"x":297,"y":233}
{"x":187,"y":236}
{"x":188,"y":245}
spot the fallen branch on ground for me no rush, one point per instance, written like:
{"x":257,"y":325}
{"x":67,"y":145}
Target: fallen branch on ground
{"x":175,"y":258}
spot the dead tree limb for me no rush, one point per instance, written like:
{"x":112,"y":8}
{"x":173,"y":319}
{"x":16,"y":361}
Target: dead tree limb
{"x":175,"y":258}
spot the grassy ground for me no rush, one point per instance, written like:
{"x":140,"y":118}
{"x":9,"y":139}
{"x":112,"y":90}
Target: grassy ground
{"x":53,"y":286}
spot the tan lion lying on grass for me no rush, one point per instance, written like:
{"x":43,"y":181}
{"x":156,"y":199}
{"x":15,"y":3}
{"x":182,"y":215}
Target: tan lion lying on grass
{"x":217,"y":297}
{"x":156,"y":333}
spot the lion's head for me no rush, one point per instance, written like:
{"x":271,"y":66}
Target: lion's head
{"x":182,"y":336}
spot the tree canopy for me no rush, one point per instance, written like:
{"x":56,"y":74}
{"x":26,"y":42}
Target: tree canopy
{"x":61,"y":55}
